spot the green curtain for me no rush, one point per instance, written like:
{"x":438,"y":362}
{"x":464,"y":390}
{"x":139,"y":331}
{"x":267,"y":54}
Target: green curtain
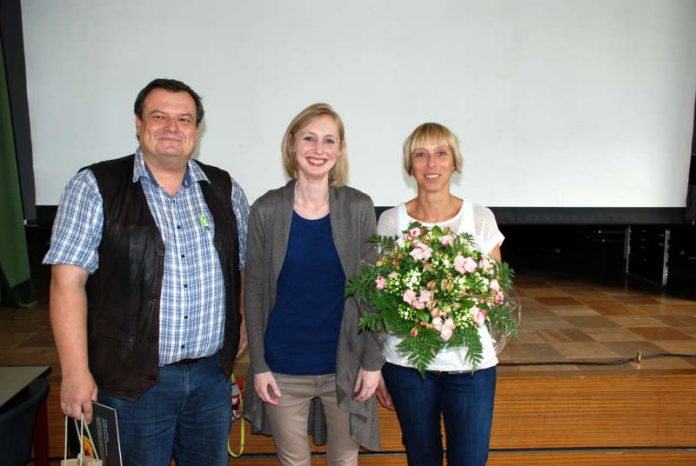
{"x":14,"y":258}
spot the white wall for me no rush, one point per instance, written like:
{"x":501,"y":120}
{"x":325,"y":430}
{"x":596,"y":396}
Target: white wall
{"x":558,"y":103}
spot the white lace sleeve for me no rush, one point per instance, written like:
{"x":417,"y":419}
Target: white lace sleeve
{"x":487,"y":231}
{"x":388,"y":223}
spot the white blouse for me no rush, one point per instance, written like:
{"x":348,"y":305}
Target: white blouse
{"x":476,"y":220}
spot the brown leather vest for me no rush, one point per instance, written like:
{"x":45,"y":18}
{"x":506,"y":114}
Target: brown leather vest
{"x":124,"y":293}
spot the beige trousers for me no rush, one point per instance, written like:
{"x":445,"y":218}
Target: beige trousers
{"x":289,"y":421}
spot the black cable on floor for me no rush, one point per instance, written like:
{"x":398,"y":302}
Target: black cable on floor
{"x":612,"y":362}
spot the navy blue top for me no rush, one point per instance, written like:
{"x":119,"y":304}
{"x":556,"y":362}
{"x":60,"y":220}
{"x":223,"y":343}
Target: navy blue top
{"x":303,"y":327}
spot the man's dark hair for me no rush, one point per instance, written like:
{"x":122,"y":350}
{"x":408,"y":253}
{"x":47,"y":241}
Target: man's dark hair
{"x":171,"y":85}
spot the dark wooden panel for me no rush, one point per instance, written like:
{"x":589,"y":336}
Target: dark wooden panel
{"x":595,"y":411}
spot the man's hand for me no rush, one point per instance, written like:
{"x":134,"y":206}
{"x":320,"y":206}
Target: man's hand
{"x":76,"y":395}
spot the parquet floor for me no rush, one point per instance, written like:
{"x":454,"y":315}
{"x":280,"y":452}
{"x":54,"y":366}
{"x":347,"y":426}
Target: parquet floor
{"x":568,"y":320}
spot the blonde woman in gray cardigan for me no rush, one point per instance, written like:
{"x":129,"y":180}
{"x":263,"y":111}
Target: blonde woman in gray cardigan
{"x":305,"y":239}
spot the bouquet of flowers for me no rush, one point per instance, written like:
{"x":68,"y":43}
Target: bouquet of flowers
{"x":435,"y":289}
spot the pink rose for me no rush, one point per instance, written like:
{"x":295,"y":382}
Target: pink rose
{"x":446,"y":333}
{"x":414,"y":232}
{"x":446,"y":240}
{"x":437,"y":323}
{"x":495,"y":286}
{"x":380,"y":282}
{"x":421,"y":252}
{"x":414,"y":332}
{"x":425,"y":296}
{"x":392,"y":274}
{"x":416,"y":253}
{"x":459,"y":264}
{"x":449,"y":323}
{"x":409,"y":296}
{"x":470,"y":264}
{"x":427,"y":251}
{"x":436,"y":312}
{"x":486,"y":265}
{"x":478,"y":315}
{"x":463,"y":265}
{"x":499,"y":298}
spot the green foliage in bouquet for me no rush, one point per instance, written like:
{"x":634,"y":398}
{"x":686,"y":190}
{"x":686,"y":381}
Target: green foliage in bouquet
{"x":435,"y":289}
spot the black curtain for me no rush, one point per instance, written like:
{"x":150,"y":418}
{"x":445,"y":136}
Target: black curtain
{"x":15,"y":69}
{"x":691,"y":192}
{"x":15,"y":275}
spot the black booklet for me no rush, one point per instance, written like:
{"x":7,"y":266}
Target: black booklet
{"x":104,"y":430}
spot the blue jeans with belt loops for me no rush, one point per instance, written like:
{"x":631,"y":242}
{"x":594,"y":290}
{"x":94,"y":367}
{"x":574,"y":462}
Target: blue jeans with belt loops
{"x":464,"y":400}
{"x":186,"y":416}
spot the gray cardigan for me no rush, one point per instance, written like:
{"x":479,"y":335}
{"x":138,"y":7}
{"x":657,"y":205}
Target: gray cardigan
{"x":352,"y":223}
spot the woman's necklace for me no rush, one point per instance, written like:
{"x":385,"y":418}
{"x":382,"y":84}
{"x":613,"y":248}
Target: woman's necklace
{"x":318,"y":209}
{"x":446,"y":214}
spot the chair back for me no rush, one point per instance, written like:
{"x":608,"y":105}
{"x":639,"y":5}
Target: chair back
{"x":17,"y":423}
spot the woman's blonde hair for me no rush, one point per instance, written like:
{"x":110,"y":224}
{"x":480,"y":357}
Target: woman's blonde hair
{"x":432,"y":133}
{"x":339,"y":173}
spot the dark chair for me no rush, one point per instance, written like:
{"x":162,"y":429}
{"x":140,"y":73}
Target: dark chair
{"x":17,"y":420}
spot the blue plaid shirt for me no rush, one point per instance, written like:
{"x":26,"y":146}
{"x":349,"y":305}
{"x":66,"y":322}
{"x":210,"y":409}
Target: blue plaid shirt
{"x":192,"y":306}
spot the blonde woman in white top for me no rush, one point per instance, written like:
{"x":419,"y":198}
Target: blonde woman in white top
{"x":449,"y":389}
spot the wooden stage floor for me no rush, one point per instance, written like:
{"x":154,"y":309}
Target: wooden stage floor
{"x":574,"y":333}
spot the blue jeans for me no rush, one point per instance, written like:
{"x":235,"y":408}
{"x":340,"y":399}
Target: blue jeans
{"x":186,"y":416}
{"x":464,"y":400}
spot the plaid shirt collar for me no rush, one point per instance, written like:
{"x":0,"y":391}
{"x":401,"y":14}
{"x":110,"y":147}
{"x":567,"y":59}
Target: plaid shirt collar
{"x":142,"y":171}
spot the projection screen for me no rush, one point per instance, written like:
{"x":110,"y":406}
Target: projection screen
{"x":558,"y":104}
